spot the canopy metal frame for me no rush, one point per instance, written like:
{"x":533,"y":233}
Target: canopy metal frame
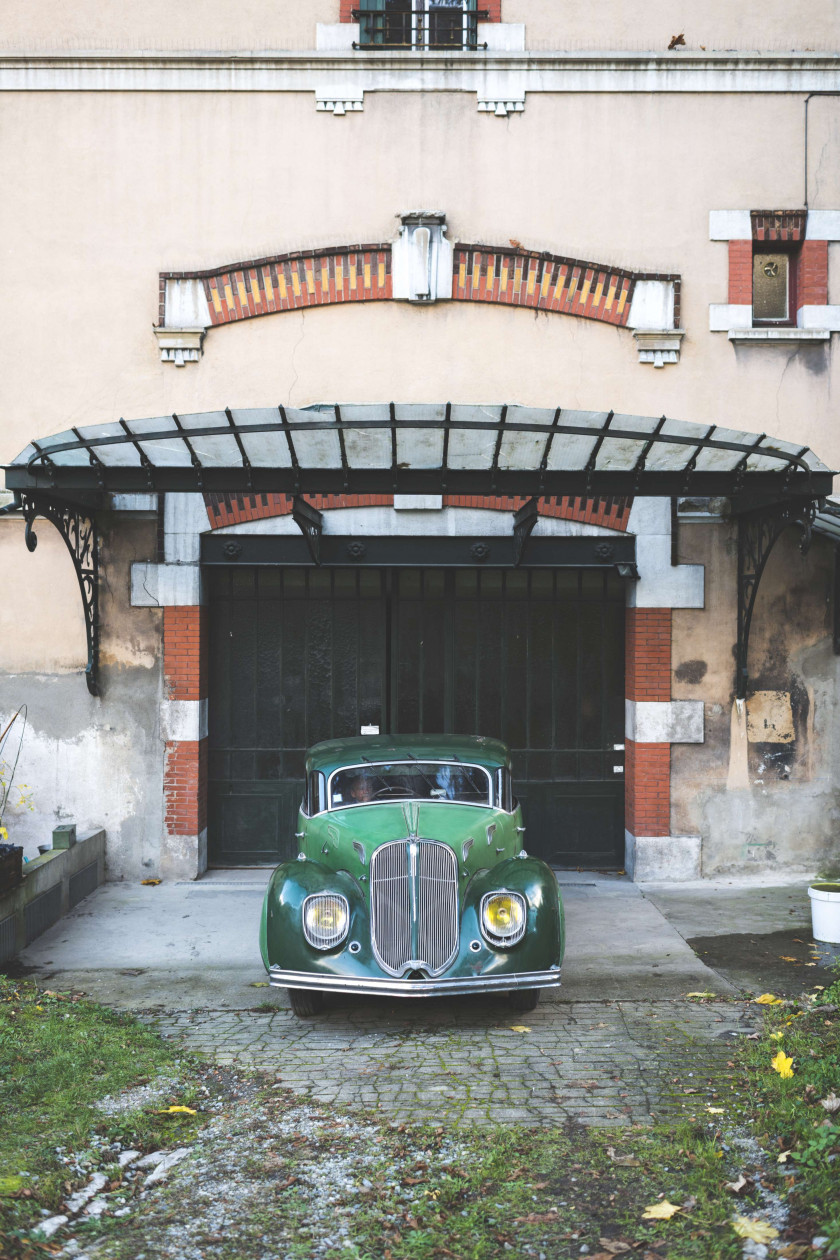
{"x":770,"y":484}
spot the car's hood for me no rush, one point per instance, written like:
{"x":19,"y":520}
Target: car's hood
{"x":345,"y":836}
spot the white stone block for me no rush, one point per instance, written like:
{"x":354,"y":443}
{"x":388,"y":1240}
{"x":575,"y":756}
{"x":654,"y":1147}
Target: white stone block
{"x":183,"y":720}
{"x":502,"y":36}
{"x":648,"y":859}
{"x":166,"y":585}
{"x":184,"y":521}
{"x":823,"y":225}
{"x":730,"y":225}
{"x":422,"y":258}
{"x":664,"y":721}
{"x":723,"y":316}
{"x":661,"y":584}
{"x":652,"y":305}
{"x":186,"y":305}
{"x":134,"y":502}
{"x":336,"y":36}
{"x":418,"y":502}
{"x":827,"y":317}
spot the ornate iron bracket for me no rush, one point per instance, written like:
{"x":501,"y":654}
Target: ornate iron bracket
{"x":77,"y":527}
{"x":758,"y":533}
{"x":310,"y":522}
{"x":523,"y":522}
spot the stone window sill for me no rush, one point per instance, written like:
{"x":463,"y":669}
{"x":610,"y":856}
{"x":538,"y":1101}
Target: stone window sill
{"x":775,"y":336}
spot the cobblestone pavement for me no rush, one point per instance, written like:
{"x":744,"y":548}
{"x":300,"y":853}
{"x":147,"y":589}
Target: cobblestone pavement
{"x":599,"y":1063}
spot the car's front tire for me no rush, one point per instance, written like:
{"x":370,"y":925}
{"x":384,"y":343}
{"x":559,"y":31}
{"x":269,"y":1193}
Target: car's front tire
{"x":306,"y":1001}
{"x":524,"y":999}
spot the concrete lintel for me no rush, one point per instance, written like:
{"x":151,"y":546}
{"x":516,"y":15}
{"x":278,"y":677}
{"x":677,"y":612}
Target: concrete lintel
{"x":664,"y":721}
{"x":183,"y":720}
{"x":667,"y":858}
{"x":418,"y":502}
{"x":183,"y":857}
{"x":166,"y":585}
{"x":134,"y":502}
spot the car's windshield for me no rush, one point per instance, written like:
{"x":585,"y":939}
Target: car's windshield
{"x":413,"y":780}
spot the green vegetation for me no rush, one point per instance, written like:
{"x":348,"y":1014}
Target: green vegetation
{"x":58,"y":1056}
{"x":766,"y":1150}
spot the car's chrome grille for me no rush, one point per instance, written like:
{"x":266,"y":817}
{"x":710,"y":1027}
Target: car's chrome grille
{"x":437,"y":905}
{"x":390,"y":905}
{"x":418,"y":874}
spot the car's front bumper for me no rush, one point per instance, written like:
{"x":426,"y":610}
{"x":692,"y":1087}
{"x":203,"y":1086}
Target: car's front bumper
{"x":415,"y":988}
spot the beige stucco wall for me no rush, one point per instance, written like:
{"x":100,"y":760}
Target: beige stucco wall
{"x":290,"y":24}
{"x":111,"y":188}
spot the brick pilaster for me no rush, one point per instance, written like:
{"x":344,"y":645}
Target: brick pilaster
{"x":812,"y":274}
{"x":185,"y":762}
{"x":740,"y":273}
{"x":647,"y":774}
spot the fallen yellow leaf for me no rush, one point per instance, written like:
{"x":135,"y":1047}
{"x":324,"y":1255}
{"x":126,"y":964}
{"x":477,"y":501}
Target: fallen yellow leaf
{"x":699,"y":995}
{"x":783,"y":1157}
{"x":787,"y":958}
{"x":776,"y":1036}
{"x":715,"y":1111}
{"x":660,"y":1211}
{"x":782,"y":1064}
{"x":519,"y":1028}
{"x":169,"y":1111}
{"x":769,"y":999}
{"x":758,"y":1231}
{"x":150,"y":882}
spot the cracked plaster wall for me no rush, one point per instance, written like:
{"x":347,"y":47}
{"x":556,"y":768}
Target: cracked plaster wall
{"x":787,"y":811}
{"x":97,"y":762}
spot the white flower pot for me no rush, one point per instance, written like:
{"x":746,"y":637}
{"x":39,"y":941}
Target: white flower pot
{"x":825,"y":911}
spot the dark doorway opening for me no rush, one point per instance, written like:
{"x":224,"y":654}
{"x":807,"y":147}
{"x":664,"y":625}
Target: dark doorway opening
{"x":532,"y":656}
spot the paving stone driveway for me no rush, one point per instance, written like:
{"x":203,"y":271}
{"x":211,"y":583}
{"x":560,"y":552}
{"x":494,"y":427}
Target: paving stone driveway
{"x":599,"y":1063}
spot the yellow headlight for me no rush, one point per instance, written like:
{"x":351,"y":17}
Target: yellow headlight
{"x":503,"y":917}
{"x":325,"y":919}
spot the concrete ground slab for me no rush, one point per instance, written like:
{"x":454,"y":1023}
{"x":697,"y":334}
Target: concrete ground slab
{"x":182,"y":946}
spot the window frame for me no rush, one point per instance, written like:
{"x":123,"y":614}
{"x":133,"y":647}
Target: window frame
{"x":419,"y":12}
{"x":791,"y":250}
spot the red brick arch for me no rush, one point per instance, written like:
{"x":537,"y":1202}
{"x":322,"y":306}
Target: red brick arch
{"x":231,"y":509}
{"x":501,"y":275}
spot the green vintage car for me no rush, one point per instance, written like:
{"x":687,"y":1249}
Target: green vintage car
{"x":412,"y":879}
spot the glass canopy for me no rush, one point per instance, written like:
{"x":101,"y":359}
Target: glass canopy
{"x":416,"y":449}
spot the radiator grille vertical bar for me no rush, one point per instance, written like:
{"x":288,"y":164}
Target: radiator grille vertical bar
{"x":390,"y":906}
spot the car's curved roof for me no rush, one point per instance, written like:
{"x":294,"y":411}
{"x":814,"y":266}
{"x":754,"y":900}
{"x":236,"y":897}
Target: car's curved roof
{"x":476,"y":749}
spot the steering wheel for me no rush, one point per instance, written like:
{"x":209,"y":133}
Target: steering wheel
{"x":393,"y":789}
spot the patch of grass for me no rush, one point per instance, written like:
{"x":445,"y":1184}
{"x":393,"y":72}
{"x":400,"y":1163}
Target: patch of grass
{"x":789,"y":1112}
{"x":59,"y":1054}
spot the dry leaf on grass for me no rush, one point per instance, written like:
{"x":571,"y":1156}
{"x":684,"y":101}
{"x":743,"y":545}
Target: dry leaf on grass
{"x":796,"y":1251}
{"x":716,"y":1111}
{"x":831,"y":1104}
{"x":614,"y":1246}
{"x":783,"y":1064}
{"x":758,"y":1231}
{"x":769,"y":999}
{"x":783,"y":1157}
{"x":171,"y":1111}
{"x":536,"y":1218}
{"x":623,"y":1161}
{"x":660,"y":1211}
{"x":740,"y":1184}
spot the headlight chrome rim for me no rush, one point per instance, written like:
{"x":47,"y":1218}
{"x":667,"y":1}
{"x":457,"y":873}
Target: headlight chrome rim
{"x":503,"y":940}
{"x":319,"y":936}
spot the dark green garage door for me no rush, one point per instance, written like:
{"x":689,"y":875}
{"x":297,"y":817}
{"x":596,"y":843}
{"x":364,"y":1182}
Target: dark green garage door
{"x":535,"y":657}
